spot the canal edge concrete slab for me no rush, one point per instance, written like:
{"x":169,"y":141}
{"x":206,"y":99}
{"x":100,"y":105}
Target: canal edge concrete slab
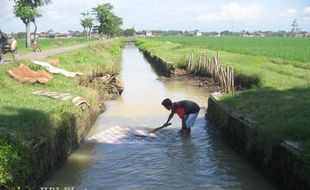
{"x":285,"y":166}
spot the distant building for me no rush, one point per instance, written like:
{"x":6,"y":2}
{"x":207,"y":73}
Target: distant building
{"x":258,"y":34}
{"x":50,"y":35}
{"x":197,"y":33}
{"x":42,"y":35}
{"x":148,"y":33}
{"x":298,"y":35}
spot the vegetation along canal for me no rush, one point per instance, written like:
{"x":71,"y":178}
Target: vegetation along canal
{"x":199,"y":161}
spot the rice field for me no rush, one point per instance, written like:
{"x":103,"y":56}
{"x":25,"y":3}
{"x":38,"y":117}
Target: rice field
{"x":287,"y":50}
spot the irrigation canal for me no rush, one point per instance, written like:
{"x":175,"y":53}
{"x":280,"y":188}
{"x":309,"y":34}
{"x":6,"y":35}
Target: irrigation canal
{"x":199,"y":161}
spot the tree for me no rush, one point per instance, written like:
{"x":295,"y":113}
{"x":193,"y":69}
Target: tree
{"x":129,"y":32}
{"x":83,"y":23}
{"x":50,"y":31}
{"x":295,"y":28}
{"x":87,"y":24}
{"x":109,"y":23}
{"x":27,"y":11}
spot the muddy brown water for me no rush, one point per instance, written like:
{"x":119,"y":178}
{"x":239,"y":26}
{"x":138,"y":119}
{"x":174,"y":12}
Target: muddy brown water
{"x":199,"y":161}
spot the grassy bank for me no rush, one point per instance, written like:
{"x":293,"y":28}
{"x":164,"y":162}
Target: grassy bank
{"x":38,"y":133}
{"x":280,"y":105}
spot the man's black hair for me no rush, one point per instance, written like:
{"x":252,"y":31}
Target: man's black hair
{"x":167,"y":102}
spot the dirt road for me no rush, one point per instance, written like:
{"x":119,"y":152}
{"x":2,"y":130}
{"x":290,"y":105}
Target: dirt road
{"x":43,"y":54}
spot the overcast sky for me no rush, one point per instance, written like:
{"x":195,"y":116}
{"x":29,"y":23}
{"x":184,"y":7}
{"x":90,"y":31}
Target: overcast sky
{"x":204,"y":15}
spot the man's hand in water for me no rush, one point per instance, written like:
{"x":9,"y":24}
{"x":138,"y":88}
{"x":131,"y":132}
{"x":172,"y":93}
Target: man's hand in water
{"x":152,"y":131}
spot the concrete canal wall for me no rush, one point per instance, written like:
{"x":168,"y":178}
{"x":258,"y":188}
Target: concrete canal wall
{"x":162,"y":68}
{"x":283,"y":165}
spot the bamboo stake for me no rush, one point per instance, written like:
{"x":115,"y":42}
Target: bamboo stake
{"x":189,"y":62}
{"x":193,"y":62}
{"x":232,"y":81}
{"x":221,"y":78}
{"x":200,"y":65}
{"x":227,"y":77}
{"x":204,"y":64}
{"x":213,"y":68}
{"x":224,"y":79}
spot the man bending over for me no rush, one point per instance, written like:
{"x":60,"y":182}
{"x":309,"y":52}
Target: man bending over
{"x":187,"y":111}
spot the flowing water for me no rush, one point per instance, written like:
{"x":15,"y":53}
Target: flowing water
{"x":199,"y":161}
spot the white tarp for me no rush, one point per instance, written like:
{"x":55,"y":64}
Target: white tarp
{"x":54,"y":69}
{"x":129,"y":135}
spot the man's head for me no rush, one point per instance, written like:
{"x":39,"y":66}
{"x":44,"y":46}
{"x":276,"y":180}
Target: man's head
{"x":167,"y":103}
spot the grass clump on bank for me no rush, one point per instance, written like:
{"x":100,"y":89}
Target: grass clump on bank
{"x":38,"y":133}
{"x":279,"y":104}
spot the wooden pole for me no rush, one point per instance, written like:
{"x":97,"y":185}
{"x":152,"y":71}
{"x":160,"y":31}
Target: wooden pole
{"x":227,"y":77}
{"x":232,"y":81}
{"x":192,"y":62}
{"x":218,"y":56}
{"x":221,"y":78}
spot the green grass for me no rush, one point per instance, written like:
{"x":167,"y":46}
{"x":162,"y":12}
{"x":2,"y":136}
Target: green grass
{"x":282,"y":50}
{"x":26,"y":118}
{"x":280,"y":106}
{"x":279,"y":115}
{"x":84,"y":61}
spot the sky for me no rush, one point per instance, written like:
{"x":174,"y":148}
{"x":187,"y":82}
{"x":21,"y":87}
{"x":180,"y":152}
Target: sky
{"x":203,"y":15}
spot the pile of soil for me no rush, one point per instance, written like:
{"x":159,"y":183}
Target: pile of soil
{"x":109,"y":85}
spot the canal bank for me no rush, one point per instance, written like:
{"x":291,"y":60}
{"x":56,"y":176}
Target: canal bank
{"x":168,"y":70}
{"x":201,"y":160}
{"x":289,"y":173}
{"x":37,"y":134}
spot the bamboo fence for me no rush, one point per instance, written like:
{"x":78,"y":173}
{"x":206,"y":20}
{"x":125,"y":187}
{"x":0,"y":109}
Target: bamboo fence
{"x":211,"y":67}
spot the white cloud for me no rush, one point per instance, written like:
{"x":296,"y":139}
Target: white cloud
{"x":291,"y":11}
{"x":53,"y":15}
{"x":6,"y":8}
{"x":8,"y":21}
{"x":234,"y":12}
{"x":288,"y":13}
{"x":306,"y":18}
{"x":307,"y":10}
{"x":65,"y":15}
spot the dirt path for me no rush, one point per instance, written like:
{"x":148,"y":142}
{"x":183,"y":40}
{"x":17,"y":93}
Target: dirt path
{"x":43,"y":54}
